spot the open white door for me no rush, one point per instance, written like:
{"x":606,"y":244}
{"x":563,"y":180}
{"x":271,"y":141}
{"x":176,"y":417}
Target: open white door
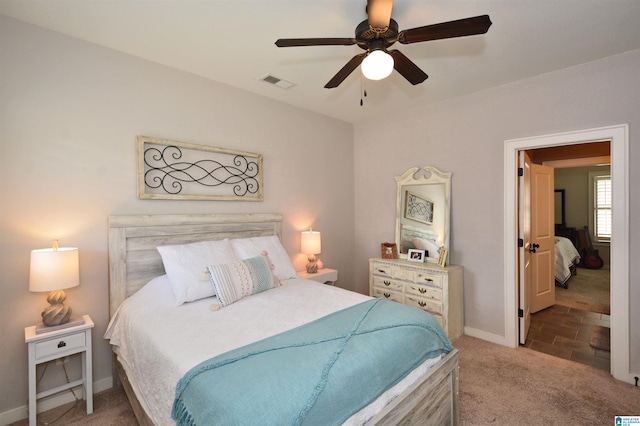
{"x":524,"y":257}
{"x":543,"y":288}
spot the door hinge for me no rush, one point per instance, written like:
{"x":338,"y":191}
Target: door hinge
{"x":520,"y":313}
{"x":520,"y":171}
{"x":520,"y":242}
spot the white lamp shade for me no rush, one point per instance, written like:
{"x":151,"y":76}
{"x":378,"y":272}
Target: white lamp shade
{"x":53,"y":269}
{"x":310,"y":242}
{"x":377,"y":65}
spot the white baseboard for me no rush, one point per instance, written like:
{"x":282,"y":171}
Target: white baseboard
{"x":45,"y":404}
{"x":489,"y":337}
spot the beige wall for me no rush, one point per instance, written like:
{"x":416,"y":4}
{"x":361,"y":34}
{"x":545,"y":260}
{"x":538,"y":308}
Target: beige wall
{"x":70,"y":115}
{"x":466,"y":136}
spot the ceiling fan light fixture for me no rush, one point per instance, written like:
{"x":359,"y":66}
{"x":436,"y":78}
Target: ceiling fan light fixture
{"x":377,"y":65}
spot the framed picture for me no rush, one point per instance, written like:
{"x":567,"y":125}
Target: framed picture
{"x":442,"y":260}
{"x":172,"y":170}
{"x":418,"y":208}
{"x":415,"y":255}
{"x":389,"y":250}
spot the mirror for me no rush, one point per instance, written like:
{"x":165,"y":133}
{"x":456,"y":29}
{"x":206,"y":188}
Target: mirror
{"x":422,"y":211}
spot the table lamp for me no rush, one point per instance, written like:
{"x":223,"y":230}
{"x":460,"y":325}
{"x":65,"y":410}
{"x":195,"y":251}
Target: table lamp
{"x":54,"y":269}
{"x":311,"y":244}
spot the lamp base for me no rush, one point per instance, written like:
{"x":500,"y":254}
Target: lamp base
{"x":312,"y":266}
{"x":58,"y":312}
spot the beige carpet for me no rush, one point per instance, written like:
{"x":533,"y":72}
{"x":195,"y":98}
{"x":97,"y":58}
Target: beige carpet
{"x":498,"y":385}
{"x":589,"y":290}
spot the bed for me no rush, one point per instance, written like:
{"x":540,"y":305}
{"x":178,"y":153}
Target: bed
{"x":566,"y":261}
{"x":141,"y":301}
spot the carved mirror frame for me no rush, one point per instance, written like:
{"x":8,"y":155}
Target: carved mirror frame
{"x":412,"y":179}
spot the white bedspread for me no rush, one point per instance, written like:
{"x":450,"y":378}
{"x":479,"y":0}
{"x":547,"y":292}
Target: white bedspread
{"x":157,"y":342}
{"x":566,"y":255}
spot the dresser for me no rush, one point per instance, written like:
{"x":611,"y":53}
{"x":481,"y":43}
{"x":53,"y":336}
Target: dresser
{"x":427,"y":286}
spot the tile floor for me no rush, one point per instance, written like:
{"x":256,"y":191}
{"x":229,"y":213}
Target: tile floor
{"x":565,"y":332}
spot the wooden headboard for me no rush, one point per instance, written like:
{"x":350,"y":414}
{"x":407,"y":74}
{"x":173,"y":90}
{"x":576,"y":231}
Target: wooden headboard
{"x":134,"y":260}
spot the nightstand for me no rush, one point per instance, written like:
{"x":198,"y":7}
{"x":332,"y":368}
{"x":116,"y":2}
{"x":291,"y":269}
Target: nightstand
{"x":325,"y":275}
{"x":59,"y":343}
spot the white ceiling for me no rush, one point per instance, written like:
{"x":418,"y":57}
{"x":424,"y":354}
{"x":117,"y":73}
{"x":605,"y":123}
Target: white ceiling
{"x":232,"y":42}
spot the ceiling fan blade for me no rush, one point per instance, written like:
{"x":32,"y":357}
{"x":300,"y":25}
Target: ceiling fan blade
{"x":345,"y":71}
{"x":459,"y":28}
{"x":293,"y":42}
{"x":407,"y":68}
{"x":379,"y":13}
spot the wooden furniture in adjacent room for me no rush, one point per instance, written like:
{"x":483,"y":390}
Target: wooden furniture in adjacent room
{"x":424,"y":285}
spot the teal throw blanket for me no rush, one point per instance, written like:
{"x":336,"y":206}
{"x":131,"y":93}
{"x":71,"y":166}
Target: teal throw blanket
{"x":317,"y":374}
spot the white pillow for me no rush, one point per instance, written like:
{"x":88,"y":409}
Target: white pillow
{"x":186,"y":267}
{"x":430,"y":246}
{"x":254,"y":246}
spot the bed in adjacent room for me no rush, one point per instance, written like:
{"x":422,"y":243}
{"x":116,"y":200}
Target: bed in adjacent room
{"x":567,"y":259}
{"x":247,"y":337}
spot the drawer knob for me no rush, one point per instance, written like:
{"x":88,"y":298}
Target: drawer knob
{"x":422,"y":304}
{"x":422,"y":290}
{"x":61,"y":344}
{"x":382,"y":271}
{"x":387,"y":295}
{"x":387,"y":283}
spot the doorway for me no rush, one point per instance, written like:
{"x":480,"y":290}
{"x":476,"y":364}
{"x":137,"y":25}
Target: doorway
{"x":618,"y":137}
{"x":576,"y":325}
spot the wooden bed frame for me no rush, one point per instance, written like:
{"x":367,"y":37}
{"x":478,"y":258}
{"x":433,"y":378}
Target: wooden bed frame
{"x":134,"y":260}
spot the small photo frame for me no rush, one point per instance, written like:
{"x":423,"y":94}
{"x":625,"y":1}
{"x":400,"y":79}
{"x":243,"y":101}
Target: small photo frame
{"x":389,"y":250}
{"x":415,"y":255}
{"x":442,"y":260}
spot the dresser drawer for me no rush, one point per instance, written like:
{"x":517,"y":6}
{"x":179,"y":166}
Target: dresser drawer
{"x":404,"y":274}
{"x":388,"y":294}
{"x":60,"y":345}
{"x":383,"y":270}
{"x":428,"y":278}
{"x":435,"y":307}
{"x":387,"y":284}
{"x":424,"y":291}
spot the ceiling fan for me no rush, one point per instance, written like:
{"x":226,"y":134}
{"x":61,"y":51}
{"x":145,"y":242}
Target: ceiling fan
{"x":379,"y":32}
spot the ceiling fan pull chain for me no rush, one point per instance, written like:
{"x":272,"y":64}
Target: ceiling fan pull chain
{"x":363,"y":89}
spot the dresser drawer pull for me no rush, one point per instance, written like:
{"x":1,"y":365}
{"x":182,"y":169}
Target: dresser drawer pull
{"x":61,"y":344}
{"x":382,"y":271}
{"x":428,"y":279}
{"x":422,"y":290}
{"x":387,"y":283}
{"x":387,"y":295}
{"x":422,"y":304}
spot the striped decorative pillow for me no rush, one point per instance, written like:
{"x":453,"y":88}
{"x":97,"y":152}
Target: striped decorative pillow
{"x":233,"y":281}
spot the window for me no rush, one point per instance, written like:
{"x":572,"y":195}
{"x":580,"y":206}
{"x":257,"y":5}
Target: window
{"x":600,"y":186}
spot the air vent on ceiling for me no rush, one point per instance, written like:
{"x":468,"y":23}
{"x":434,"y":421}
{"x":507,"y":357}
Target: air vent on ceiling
{"x":283,"y":84}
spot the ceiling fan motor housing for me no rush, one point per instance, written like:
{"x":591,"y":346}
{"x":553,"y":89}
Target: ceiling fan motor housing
{"x":366,"y":35}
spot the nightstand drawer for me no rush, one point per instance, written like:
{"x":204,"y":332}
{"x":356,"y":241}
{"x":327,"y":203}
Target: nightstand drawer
{"x":387,"y":284}
{"x":61,"y":345}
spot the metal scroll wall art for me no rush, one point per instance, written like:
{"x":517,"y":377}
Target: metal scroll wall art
{"x":184,"y":171}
